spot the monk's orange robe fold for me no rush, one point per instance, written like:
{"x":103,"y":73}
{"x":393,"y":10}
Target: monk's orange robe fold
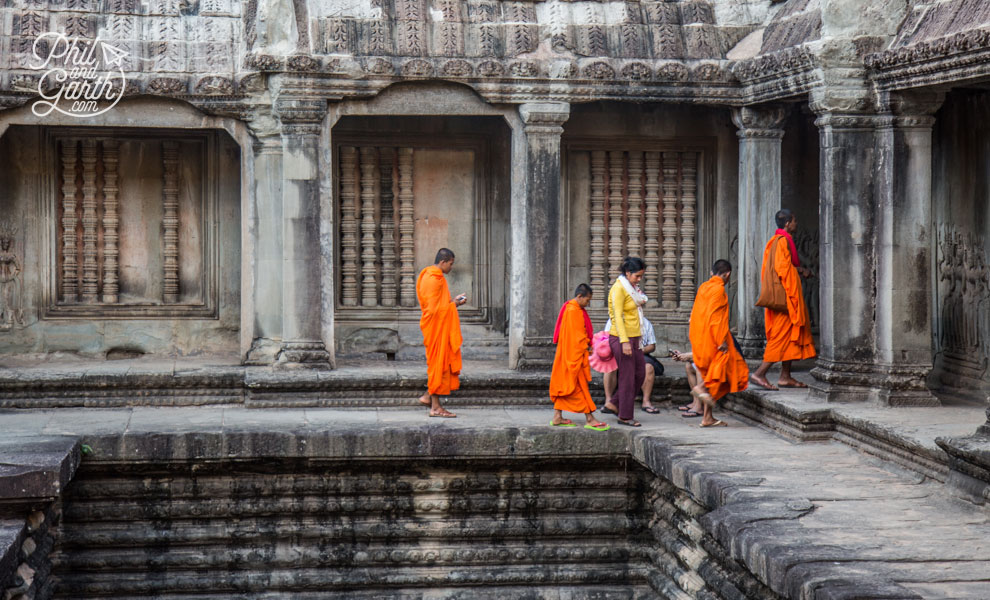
{"x":723,"y":372}
{"x":571,"y":370}
{"x":441,"y":331}
{"x":788,"y":334}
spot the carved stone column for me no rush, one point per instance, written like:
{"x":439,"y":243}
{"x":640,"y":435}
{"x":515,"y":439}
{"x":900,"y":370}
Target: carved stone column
{"x":301,"y":274}
{"x":267,"y":259}
{"x":904,"y":242}
{"x":760,"y":134}
{"x":540,"y":278}
{"x":845,"y":370}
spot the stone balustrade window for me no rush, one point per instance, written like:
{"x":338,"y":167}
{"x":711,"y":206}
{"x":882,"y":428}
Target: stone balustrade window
{"x":640,"y":200}
{"x":397,"y":204}
{"x":133,"y":223}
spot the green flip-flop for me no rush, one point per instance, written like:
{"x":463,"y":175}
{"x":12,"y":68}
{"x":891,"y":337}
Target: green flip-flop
{"x":604,"y":427}
{"x":567,"y":424}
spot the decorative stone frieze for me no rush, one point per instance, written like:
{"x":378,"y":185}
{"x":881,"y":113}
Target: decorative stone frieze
{"x":167,"y":86}
{"x":958,"y":56}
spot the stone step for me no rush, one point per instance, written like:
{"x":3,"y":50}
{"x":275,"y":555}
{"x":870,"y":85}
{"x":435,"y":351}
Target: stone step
{"x":369,"y":384}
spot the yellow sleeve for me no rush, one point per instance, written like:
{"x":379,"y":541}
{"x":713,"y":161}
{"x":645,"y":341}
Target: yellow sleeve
{"x":616,"y":309}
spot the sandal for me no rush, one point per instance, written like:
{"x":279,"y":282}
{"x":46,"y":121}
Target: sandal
{"x":651,"y":410}
{"x":717,"y":423}
{"x":597,"y":426}
{"x":443,"y":413}
{"x":608,"y":411}
{"x":564,"y":423}
{"x":690,"y":414}
{"x":630,"y":423}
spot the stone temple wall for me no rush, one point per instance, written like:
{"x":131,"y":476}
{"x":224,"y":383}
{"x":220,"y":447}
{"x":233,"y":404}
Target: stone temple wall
{"x":961,"y":333}
{"x":524,"y":528}
{"x":125,"y":242}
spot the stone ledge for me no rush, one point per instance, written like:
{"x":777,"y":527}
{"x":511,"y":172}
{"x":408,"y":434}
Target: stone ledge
{"x":383,"y":384}
{"x":34,"y":472}
{"x":941,"y":462}
{"x":757,"y":523}
{"x":969,"y":459}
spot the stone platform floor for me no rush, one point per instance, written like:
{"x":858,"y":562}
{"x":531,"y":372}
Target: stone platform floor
{"x":814,"y":520}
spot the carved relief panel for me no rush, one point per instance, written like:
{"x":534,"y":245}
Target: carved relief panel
{"x":640,"y":200}
{"x":397,"y":204}
{"x":132,"y":227}
{"x":962,"y":333}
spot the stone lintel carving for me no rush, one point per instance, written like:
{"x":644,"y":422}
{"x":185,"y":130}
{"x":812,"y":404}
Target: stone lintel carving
{"x":300,"y":116}
{"x":760,"y":121}
{"x":845,"y":94}
{"x":847,"y":121}
{"x":546,"y":118}
{"x":774,"y":66}
{"x":912,"y":109}
{"x":932,"y":51}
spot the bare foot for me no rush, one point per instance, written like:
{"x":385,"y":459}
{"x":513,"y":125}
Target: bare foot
{"x":706,"y":399}
{"x":762,"y":382}
{"x":790,"y":383}
{"x":441,"y":412}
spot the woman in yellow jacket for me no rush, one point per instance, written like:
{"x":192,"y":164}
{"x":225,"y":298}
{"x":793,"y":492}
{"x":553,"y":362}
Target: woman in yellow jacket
{"x":625,"y":303}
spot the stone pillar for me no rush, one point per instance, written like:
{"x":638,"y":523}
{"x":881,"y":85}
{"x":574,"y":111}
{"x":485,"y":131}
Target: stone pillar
{"x":760,"y":134}
{"x":537,"y":268}
{"x":846,"y":224}
{"x":266,"y":262}
{"x":302,"y":344}
{"x":904,"y":245}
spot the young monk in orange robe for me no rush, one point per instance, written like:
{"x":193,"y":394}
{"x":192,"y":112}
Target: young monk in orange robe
{"x":441,"y":332}
{"x":571,"y":370}
{"x":788,"y":333}
{"x":720,"y":366}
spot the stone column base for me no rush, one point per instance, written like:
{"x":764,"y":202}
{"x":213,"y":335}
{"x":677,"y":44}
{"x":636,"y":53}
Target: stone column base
{"x":306,"y":354}
{"x":752,"y":348}
{"x":263,"y":352}
{"x":536,"y":353}
{"x":887,"y":385}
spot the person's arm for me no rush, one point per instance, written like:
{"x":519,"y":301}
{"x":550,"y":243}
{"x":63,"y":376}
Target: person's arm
{"x":618,"y":299}
{"x":649,"y":349}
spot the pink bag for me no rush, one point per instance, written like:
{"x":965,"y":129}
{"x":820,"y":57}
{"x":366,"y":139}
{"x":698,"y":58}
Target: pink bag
{"x":601,"y":358}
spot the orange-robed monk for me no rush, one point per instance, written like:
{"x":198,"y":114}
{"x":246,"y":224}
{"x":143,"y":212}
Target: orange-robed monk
{"x":571,"y":370}
{"x":720,"y":366}
{"x":441,"y":332}
{"x":788,"y":333}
